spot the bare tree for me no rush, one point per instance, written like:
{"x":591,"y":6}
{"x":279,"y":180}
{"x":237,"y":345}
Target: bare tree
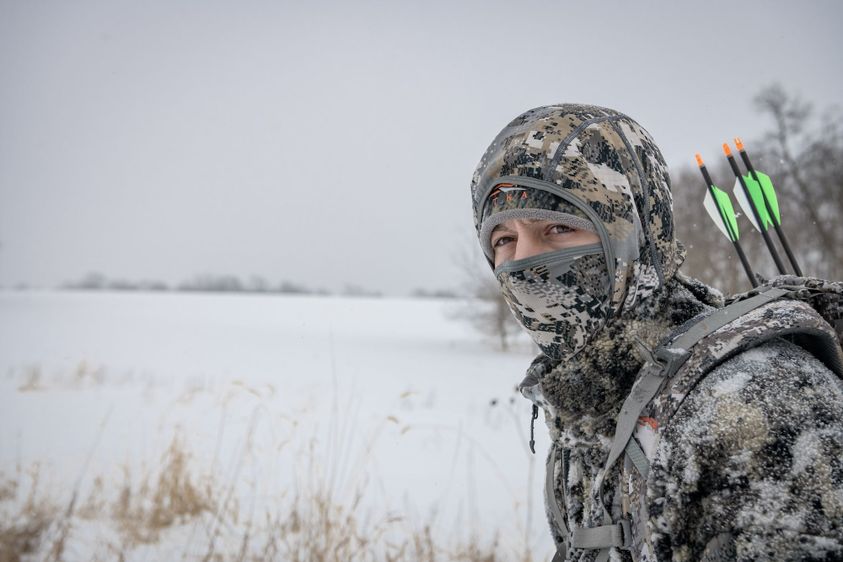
{"x":805,"y":160}
{"x":484,"y":306}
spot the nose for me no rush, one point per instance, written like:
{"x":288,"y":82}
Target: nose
{"x":530,"y":244}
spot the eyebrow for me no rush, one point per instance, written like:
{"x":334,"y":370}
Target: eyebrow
{"x":500,"y":227}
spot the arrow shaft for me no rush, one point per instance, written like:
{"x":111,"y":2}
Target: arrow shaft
{"x":745,"y":263}
{"x":779,"y":231}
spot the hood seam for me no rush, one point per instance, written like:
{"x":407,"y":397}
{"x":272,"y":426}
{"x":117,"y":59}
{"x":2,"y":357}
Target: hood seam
{"x":557,"y":156}
{"x":645,"y":198}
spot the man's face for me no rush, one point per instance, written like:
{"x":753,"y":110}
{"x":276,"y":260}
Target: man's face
{"x":517,"y":239}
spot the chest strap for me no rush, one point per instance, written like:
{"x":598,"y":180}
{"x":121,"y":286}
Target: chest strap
{"x":668,"y":359}
{"x":618,"y":535}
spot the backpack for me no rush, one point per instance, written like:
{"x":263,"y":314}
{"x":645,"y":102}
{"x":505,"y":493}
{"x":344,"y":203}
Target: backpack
{"x":807,"y":311}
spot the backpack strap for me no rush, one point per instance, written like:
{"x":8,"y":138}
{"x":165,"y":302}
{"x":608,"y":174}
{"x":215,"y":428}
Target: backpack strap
{"x":665,"y":362}
{"x":672,"y":356}
{"x":552,"y":505}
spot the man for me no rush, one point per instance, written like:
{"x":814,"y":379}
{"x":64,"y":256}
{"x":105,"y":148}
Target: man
{"x":573,"y":210}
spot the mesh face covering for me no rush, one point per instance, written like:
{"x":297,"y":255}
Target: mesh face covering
{"x":561,"y":298}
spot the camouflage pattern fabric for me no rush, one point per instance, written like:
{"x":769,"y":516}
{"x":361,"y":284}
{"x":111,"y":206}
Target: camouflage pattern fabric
{"x":725,"y":431}
{"x":609,"y":163}
{"x":824,"y":296}
{"x":582,"y":399}
{"x":561,"y":300}
{"x":751,"y":464}
{"x":749,"y":467}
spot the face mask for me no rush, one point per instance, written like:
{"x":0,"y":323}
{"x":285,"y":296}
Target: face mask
{"x":561,"y":297}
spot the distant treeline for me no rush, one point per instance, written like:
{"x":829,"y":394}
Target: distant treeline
{"x":231,"y":284}
{"x":207,"y":283}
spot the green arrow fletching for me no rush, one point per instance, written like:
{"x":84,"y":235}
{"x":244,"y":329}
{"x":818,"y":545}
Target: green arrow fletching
{"x":722,"y":203}
{"x":755,"y":192}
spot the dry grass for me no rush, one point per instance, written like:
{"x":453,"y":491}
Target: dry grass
{"x":310,"y":526}
{"x":184,"y":509}
{"x":23,"y":525}
{"x":319,"y":530}
{"x":31,"y":380}
{"x":174,"y":497}
{"x":85,"y":375}
{"x":81,"y":377}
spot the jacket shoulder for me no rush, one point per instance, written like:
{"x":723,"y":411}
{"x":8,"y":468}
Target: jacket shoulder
{"x":791,"y":319}
{"x":755,"y":453}
{"x":777,"y":385}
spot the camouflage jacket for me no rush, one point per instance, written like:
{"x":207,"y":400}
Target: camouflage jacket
{"x":749,"y":467}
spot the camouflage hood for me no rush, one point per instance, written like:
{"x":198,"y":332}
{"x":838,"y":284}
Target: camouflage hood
{"x":606,"y":169}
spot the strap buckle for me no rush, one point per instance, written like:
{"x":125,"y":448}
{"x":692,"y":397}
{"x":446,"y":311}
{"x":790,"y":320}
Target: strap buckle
{"x":618,"y":535}
{"x":671,"y":358}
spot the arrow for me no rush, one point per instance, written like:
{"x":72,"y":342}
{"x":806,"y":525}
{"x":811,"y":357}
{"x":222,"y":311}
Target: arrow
{"x":755,"y":212}
{"x":719,"y":207}
{"x":765,"y":202}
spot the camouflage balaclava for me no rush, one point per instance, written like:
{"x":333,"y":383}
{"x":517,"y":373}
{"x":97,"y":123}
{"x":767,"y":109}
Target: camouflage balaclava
{"x":586,"y":167}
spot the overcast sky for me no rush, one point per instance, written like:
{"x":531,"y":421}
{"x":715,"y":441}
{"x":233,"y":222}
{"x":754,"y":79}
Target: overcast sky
{"x":331,"y":143}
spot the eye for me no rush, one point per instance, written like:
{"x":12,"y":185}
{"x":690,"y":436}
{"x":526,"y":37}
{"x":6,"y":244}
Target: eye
{"x":560,"y":229}
{"x":502,"y":241}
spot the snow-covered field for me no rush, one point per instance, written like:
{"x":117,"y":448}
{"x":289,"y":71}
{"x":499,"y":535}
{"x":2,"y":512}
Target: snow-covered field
{"x":388,"y":407}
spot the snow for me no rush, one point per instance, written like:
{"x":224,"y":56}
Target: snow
{"x":275,"y":394}
{"x":806,"y":448}
{"x":761,"y":354}
{"x":731,"y":385}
